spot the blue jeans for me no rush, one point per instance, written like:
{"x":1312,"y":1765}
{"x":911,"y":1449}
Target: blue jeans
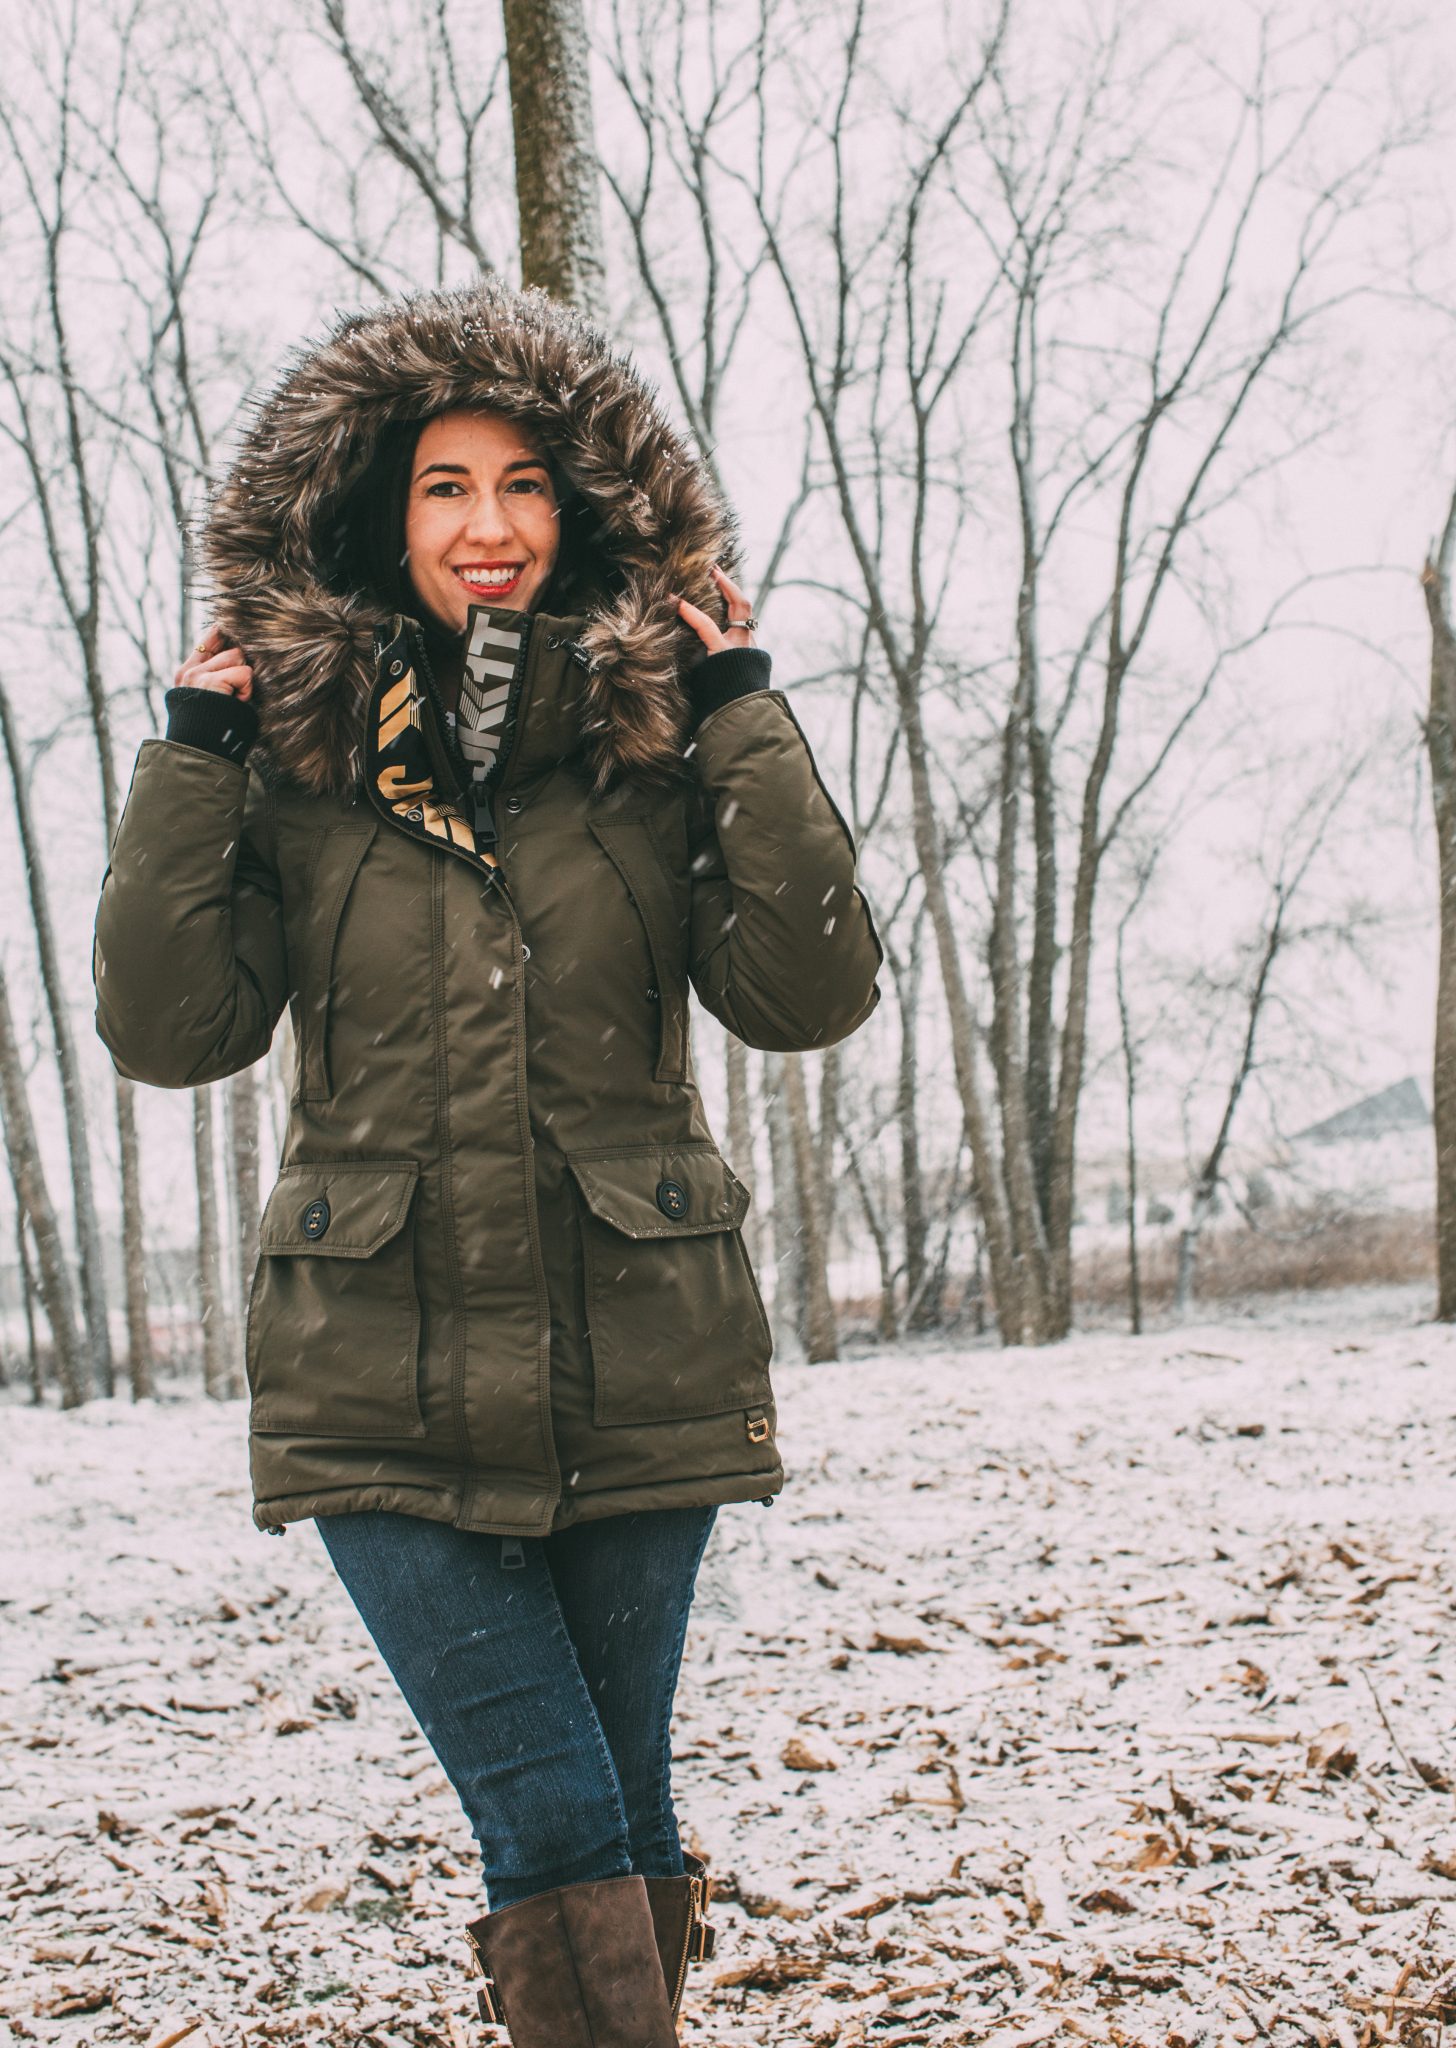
{"x":542,"y":1672}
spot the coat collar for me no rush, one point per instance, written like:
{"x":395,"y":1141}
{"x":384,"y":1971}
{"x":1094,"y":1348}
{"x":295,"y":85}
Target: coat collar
{"x":410,"y":771}
{"x":651,"y":522}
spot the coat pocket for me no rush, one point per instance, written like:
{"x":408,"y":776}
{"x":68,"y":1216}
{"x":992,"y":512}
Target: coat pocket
{"x":334,"y":1316}
{"x":674,"y":1315}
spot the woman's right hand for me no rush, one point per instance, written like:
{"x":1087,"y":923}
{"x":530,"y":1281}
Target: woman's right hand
{"x":211,"y":666}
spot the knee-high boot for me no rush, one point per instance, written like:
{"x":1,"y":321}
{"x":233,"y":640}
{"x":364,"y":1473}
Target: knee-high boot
{"x":576,"y":1968}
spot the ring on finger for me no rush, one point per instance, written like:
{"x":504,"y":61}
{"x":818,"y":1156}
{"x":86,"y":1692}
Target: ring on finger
{"x":749,"y":625}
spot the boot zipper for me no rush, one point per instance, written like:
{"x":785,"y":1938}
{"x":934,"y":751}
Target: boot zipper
{"x":695,"y":1908}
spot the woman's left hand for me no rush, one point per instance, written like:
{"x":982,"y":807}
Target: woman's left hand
{"x":739,"y":631}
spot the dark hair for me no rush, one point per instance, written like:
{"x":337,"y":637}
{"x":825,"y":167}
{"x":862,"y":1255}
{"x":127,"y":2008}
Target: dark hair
{"x":371,"y":551}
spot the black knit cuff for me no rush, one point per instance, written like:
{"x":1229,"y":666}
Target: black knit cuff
{"x":213,"y":721}
{"x":731,"y":672}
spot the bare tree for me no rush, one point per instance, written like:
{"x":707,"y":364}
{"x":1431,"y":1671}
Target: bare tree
{"x":163,"y":221}
{"x":740,"y":1141}
{"x":28,"y":1172}
{"x":73,"y":1101}
{"x":1131,"y":1049}
{"x":415,"y":184}
{"x":1151,"y":444}
{"x":1440,"y":737}
{"x":47,"y":421}
{"x":1278,"y":936}
{"x":790,"y":1285}
{"x":821,"y":1337}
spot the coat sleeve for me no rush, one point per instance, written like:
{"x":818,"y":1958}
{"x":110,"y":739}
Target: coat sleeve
{"x":189,"y":962}
{"x":784,"y":951}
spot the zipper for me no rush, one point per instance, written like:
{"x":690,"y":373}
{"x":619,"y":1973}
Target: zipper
{"x":695,"y":1908}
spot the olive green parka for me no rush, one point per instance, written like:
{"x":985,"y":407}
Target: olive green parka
{"x":501,"y":1281}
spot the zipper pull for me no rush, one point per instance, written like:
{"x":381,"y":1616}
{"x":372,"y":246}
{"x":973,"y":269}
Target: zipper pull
{"x":484,"y":818}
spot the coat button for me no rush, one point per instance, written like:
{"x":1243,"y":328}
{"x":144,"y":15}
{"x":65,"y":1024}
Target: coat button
{"x":513,"y":804}
{"x":672,"y":1199}
{"x":316,"y":1218}
{"x":652,"y":995}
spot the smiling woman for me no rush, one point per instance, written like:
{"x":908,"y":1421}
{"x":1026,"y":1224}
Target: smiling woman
{"x":480,"y":774}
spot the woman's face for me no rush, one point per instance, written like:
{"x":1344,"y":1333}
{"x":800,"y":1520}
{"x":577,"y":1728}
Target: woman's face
{"x":482,"y":525}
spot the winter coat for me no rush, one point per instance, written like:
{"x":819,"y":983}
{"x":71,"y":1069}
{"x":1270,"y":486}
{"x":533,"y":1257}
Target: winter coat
{"x":502,"y":1281}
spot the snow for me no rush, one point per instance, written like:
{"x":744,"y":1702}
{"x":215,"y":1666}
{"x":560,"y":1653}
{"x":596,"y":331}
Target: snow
{"x":1094,"y":1694}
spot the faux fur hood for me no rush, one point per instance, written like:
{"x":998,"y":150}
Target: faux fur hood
{"x":269,"y":539}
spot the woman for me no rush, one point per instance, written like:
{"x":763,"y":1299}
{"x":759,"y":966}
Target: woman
{"x":478,"y":772}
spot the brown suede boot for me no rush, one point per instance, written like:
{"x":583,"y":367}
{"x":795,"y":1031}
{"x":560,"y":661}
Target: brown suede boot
{"x":680,"y":1921}
{"x":575,"y":1968}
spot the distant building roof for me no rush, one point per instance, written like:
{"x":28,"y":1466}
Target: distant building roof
{"x":1398,"y":1108}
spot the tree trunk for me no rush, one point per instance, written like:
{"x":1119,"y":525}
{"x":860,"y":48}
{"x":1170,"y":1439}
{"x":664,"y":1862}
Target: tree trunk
{"x":826,"y":1183}
{"x":889,"y":1327}
{"x":789,"y":1302}
{"x":26,"y":1281}
{"x":28,"y":1290}
{"x":140,"y":1360}
{"x":740,"y":1134}
{"x":821,"y":1338}
{"x":1007,"y":1028}
{"x":1018,"y":1310}
{"x":1441,"y":748}
{"x":915,"y":1220}
{"x":29,"y":1173}
{"x":1188,"y":1239}
{"x":247,"y":1192}
{"x":216,"y":1377}
{"x":558,"y":177}
{"x":83,"y":1187}
{"x":1129,"y":1068}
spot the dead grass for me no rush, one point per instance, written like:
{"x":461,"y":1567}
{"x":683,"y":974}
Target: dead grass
{"x":1292,"y":1251}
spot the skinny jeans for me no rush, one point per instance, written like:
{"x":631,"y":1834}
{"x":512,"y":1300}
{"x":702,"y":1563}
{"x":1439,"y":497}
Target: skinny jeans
{"x":542,"y":1672}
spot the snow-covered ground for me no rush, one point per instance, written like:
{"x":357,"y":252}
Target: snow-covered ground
{"x":1098,"y":1695}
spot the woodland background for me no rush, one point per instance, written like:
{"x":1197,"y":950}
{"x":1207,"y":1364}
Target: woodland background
{"x":1081,"y":378}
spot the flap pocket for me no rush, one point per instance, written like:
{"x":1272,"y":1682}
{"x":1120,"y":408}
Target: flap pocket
{"x":334,"y":1320}
{"x":338,"y":1211}
{"x":661,"y":1190}
{"x":674,"y":1317}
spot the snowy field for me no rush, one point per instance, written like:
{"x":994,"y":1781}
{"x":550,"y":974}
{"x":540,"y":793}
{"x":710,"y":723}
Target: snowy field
{"x":1095,"y":1695}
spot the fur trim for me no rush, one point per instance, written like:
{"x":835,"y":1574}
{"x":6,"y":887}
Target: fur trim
{"x":265,"y":538}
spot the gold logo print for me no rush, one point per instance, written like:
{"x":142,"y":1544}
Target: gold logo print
{"x":406,"y":783}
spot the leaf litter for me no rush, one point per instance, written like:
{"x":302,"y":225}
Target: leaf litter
{"x":1090,"y":1695}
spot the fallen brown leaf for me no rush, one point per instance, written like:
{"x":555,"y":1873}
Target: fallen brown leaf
{"x":799,"y":1755}
{"x":768,"y":1973}
{"x":1332,"y":1753}
{"x":323,"y":1897}
{"x":1105,"y":1900}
